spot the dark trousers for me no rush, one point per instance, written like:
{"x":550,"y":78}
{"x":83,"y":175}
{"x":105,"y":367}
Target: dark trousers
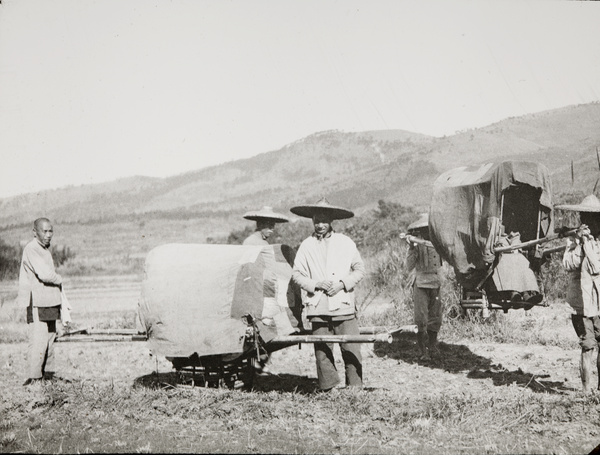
{"x":588,"y":331}
{"x":40,"y":351}
{"x":326,"y":371}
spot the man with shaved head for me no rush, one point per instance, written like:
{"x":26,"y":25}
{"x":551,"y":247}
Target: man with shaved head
{"x":40,"y":293}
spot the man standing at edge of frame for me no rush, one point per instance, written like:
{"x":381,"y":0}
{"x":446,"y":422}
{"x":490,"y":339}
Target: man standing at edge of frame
{"x":582,"y":260}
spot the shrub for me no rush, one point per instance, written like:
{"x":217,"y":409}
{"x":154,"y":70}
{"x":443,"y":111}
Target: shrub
{"x":10,"y":258}
{"x":10,"y":261}
{"x":61,"y":254}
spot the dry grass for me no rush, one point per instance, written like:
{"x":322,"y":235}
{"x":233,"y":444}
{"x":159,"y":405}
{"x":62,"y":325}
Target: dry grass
{"x":84,"y":416}
{"x":506,"y":386}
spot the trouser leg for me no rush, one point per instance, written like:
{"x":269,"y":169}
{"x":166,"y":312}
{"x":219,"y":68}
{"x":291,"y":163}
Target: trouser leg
{"x":585,"y":329}
{"x":434,"y":310}
{"x":586,"y":369}
{"x":433,"y":343}
{"x":421,"y":308}
{"x":351,"y":353}
{"x":422,"y":343}
{"x":49,"y":368}
{"x":421,"y":314}
{"x":326,"y":372}
{"x":38,"y":347}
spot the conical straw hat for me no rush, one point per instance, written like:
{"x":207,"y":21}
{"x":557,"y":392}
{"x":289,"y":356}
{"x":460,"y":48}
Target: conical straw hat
{"x":422,"y":222}
{"x":266,"y":213}
{"x":322,"y":206}
{"x":589,"y":204}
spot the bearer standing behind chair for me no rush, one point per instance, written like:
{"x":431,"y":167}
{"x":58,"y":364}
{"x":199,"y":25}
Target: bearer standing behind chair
{"x":426,"y":289}
{"x":265,"y":219}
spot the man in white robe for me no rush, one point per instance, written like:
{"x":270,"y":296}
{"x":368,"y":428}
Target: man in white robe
{"x":327,"y":268}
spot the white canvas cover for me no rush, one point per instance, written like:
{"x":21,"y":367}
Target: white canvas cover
{"x":194,"y":297}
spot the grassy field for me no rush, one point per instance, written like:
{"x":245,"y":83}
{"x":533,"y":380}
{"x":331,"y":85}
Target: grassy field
{"x":506,"y":386}
{"x":119,"y":248}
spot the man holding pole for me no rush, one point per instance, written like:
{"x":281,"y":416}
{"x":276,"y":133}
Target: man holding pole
{"x":327,"y":268}
{"x":426,"y":289}
{"x":582,"y":260}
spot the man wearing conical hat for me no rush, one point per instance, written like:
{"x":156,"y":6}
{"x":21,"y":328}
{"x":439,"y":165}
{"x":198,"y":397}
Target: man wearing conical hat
{"x":582,"y":260}
{"x":327,"y":268}
{"x":265,"y":219}
{"x":426,"y":288}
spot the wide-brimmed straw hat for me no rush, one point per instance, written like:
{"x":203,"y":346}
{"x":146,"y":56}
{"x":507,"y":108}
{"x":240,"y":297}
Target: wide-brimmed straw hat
{"x":421,"y":223}
{"x":589,"y":204}
{"x":322,"y":206}
{"x":267,"y":214}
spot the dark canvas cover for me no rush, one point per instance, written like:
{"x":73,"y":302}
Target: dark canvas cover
{"x":194,"y":297}
{"x":466,"y":216}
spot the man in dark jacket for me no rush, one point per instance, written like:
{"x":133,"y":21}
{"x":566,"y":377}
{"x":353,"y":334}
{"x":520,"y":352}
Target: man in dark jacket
{"x":426,"y":289}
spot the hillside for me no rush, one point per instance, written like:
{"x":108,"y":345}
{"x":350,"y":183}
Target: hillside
{"x":354,"y":169}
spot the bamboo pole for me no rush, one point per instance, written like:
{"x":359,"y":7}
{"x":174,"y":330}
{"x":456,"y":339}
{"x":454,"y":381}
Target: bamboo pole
{"x":381,"y":329}
{"x":90,"y":331}
{"x":506,"y":249}
{"x":556,"y":249}
{"x":98,"y":339}
{"x":297,"y":339}
{"x":414,"y":239}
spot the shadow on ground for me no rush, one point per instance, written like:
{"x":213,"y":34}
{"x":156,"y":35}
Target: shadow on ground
{"x":458,"y":359}
{"x":266,"y":383}
{"x":286,"y":383}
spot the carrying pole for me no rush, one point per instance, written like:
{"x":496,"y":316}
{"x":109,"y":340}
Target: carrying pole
{"x":99,"y":338}
{"x":505,"y":249}
{"x":557,"y":249}
{"x":297,"y":339}
{"x":414,"y":239}
{"x":412,"y":328}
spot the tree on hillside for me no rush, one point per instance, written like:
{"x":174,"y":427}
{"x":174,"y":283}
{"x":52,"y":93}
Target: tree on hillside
{"x":10,"y":261}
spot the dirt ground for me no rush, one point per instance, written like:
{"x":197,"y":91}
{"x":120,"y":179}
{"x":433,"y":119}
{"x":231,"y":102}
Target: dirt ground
{"x":476,"y":398}
{"x":392,"y":372}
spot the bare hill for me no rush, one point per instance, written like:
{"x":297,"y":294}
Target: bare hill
{"x":354,"y":169}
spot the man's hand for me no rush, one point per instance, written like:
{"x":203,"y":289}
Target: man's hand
{"x":323,"y":286}
{"x":335,"y":288}
{"x":583,"y":231}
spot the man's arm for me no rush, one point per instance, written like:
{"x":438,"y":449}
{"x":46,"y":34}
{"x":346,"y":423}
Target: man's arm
{"x":573,"y":256}
{"x":357,"y":272}
{"x":301,"y":273}
{"x":592,"y":256}
{"x":38,"y":263}
{"x":412,"y":257}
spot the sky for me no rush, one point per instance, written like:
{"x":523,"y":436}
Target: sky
{"x":92,"y":91}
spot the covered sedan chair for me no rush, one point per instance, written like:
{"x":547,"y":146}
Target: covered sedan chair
{"x":218,"y":311}
{"x":217,"y":306}
{"x":476,"y":214}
